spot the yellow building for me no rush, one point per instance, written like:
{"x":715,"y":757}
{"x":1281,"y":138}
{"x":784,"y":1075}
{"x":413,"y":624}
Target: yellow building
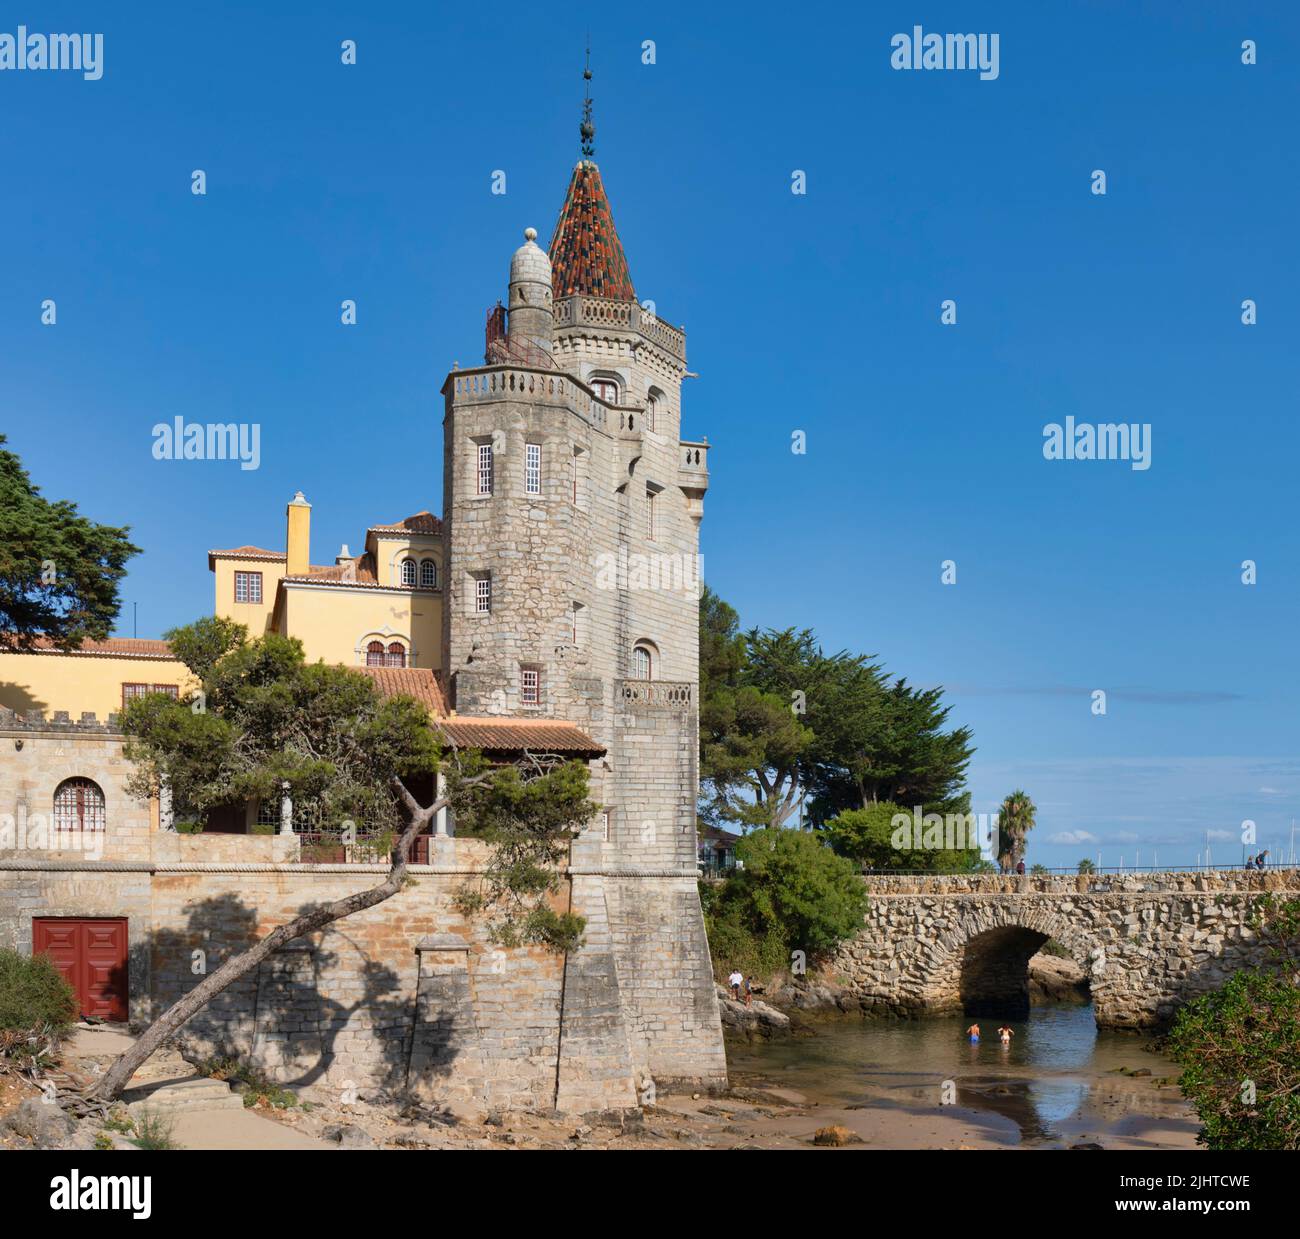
{"x":381,"y":608}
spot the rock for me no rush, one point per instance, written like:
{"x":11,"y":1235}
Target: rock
{"x":758,"y":1017}
{"x":1053,"y":978}
{"x":41,"y":1122}
{"x":835,"y":1137}
{"x":349,"y":1136}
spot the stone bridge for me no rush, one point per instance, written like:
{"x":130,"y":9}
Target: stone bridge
{"x":938,"y":945}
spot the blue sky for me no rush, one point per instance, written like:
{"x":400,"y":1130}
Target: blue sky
{"x":817,"y":312}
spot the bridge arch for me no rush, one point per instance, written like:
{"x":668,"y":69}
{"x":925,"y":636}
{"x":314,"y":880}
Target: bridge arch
{"x":979,"y":964}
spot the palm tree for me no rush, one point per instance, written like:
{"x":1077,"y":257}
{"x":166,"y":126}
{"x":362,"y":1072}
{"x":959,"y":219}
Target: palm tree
{"x":1015,"y":821}
{"x":1086,"y":866}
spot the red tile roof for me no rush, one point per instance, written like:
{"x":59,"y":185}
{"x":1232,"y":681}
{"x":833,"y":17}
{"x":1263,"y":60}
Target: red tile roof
{"x":249,"y":552}
{"x":418,"y":682}
{"x":586,"y":254}
{"x":547,"y":735}
{"x":121,"y":647}
{"x":421,"y":522}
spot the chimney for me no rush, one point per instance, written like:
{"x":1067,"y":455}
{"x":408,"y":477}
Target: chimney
{"x":297,"y":546}
{"x":343,"y":556}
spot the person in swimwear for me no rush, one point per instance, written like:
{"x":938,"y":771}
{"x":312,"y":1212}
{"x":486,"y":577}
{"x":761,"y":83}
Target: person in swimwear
{"x":974,"y":1032}
{"x":1006,"y":1033}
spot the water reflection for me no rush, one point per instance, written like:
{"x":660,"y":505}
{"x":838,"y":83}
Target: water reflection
{"x":1057,"y":1070}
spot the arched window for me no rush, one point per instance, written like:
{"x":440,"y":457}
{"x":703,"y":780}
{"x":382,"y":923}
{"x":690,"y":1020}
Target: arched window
{"x":375,"y":654}
{"x":606,"y":389}
{"x":396,"y":654}
{"x":643,"y":662}
{"x":78,"y":805}
{"x":651,"y":412}
{"x":428,"y":574}
{"x":408,"y":572}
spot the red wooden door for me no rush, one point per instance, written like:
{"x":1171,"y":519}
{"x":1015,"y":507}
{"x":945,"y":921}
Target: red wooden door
{"x":92,"y":955}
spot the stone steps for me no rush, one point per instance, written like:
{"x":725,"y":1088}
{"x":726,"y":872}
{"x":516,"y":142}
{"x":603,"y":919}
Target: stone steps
{"x":185,"y":1095}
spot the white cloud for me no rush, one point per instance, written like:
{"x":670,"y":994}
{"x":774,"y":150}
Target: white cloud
{"x":1071,"y":837}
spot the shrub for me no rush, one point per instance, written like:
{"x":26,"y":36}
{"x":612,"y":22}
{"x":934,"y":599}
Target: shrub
{"x":154,"y":1131}
{"x":34,"y":995}
{"x":869,"y":837}
{"x":792,"y":894}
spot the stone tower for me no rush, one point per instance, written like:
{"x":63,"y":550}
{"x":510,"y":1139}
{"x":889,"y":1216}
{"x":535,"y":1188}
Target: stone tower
{"x":572,"y":507}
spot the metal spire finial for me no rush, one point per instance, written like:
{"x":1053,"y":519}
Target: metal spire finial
{"x":587,"y":130}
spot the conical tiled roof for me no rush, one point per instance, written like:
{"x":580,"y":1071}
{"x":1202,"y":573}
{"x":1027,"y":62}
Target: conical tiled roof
{"x":586,"y":255}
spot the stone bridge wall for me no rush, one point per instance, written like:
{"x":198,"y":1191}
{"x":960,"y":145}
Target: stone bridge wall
{"x":1148,"y":943}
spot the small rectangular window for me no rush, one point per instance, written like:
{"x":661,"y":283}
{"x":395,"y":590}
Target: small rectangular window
{"x":650,"y":514}
{"x":604,"y":825}
{"x":533,"y":468}
{"x":483,"y":595}
{"x":485,"y":468}
{"x":170,"y":689}
{"x":530,"y":686}
{"x":248,"y":587}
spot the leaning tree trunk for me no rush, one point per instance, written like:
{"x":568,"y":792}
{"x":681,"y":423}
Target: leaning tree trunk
{"x":110,"y":1086}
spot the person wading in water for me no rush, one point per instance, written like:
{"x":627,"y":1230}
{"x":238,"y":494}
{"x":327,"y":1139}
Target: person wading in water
{"x":973,"y":1032}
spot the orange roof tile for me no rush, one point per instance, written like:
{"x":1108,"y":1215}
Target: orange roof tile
{"x":121,"y":647}
{"x":542,"y":735}
{"x":418,"y":682}
{"x":586,"y":254}
{"x":249,"y":552}
{"x":421,"y":522}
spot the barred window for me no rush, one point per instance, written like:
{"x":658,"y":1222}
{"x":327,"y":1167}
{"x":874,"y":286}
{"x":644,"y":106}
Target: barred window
{"x":78,"y":805}
{"x":485,"y":468}
{"x":375,"y":654}
{"x":533,"y":468}
{"x":530,"y":680}
{"x":396,"y":654}
{"x":428,"y":574}
{"x":248,"y":587}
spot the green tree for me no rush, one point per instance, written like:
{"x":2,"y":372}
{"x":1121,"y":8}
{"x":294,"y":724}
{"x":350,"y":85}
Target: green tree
{"x":870,"y":837}
{"x":59,"y":572}
{"x":263,"y":717}
{"x":1015,"y":821}
{"x":791,"y":890}
{"x":1240,"y":1045}
{"x":1087,"y":866}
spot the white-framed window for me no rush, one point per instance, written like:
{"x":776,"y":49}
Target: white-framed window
{"x":485,"y":468}
{"x":428,"y":574}
{"x":530,"y":686}
{"x":408,"y":572}
{"x":606,"y":389}
{"x":395,"y":655}
{"x":643,"y":662}
{"x":248,"y":587}
{"x":533,"y":468}
{"x":483,"y":594}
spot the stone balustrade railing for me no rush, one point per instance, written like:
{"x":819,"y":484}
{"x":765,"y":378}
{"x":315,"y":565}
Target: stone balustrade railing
{"x":491,"y":383}
{"x":677,"y":695}
{"x":695,"y":457}
{"x":583,"y":311}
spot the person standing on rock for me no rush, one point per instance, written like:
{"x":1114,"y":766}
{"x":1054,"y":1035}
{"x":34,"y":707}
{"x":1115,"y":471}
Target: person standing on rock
{"x":736,"y":980}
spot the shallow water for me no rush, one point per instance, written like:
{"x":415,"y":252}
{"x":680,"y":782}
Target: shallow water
{"x":1056,"y":1080}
